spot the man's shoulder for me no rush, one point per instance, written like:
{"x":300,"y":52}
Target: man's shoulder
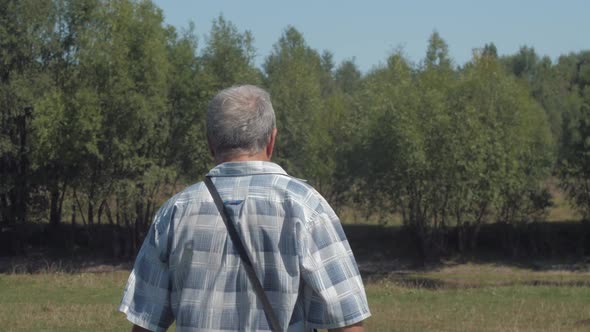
{"x":305,"y":194}
{"x":285,"y":187}
{"x":182,"y":199}
{"x":300,"y":188}
{"x":193,"y":192}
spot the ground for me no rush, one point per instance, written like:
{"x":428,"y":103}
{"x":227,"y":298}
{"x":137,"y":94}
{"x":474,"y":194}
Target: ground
{"x":444,"y":297}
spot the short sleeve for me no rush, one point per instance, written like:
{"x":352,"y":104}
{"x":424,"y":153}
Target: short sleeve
{"x":146,"y":299}
{"x":334,"y":294}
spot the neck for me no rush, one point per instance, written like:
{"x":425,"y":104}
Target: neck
{"x":260,"y":156}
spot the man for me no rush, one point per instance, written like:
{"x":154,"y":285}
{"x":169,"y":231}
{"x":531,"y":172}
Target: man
{"x":188,"y":270}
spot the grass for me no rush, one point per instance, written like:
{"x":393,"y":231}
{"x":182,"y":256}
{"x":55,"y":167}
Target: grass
{"x":468,"y":297}
{"x":510,"y":308}
{"x":62,"y":302}
{"x":474,"y":297}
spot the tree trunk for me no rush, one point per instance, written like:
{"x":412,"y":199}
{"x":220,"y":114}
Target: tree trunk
{"x":79,"y":206}
{"x":139,"y":222}
{"x":117,"y":211}
{"x":62,"y":198}
{"x":474,"y":236}
{"x":4,"y":211}
{"x":54,"y":213}
{"x":476,"y":228}
{"x":148,"y":213}
{"x":109,"y":214}
{"x":73,"y":214}
{"x":90,"y":213}
{"x":461,"y":238}
{"x":22,"y":183}
{"x":100,"y":210}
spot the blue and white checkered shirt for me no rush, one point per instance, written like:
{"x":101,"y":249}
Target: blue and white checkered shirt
{"x":188,"y":270}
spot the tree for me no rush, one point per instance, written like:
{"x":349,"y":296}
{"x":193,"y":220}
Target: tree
{"x":228,"y":58}
{"x":490,"y":50}
{"x":29,"y":42}
{"x":67,"y":114}
{"x":346,"y":127}
{"x":446,"y":149}
{"x":133,"y":91}
{"x":348,"y":77}
{"x":293,"y":74}
{"x":523,"y":64}
{"x":517,"y":145}
{"x":437,"y":52}
{"x":187,"y":146}
{"x":574,"y":166}
{"x":391,"y":144}
{"x":547,"y":86}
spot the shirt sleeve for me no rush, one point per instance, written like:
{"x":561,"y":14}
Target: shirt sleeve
{"x":146,"y":299}
{"x":334,"y":294}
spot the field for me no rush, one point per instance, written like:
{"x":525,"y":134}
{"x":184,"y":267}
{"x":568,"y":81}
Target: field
{"x":465,"y":297}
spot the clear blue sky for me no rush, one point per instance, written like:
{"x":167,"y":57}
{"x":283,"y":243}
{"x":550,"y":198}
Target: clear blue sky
{"x":370,"y":30}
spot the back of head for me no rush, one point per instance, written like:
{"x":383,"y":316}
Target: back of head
{"x":239,"y":120}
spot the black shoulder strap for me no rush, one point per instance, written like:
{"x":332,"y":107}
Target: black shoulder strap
{"x":237,"y":242}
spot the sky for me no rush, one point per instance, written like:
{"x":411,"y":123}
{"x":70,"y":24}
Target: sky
{"x":369,"y":31}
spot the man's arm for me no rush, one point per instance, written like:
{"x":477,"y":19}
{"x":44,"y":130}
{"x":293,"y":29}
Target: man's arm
{"x":329,"y":271}
{"x":151,"y":275}
{"x":357,"y":327}
{"x":137,"y":328}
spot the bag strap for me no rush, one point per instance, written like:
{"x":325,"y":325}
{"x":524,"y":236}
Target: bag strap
{"x":239,"y":245}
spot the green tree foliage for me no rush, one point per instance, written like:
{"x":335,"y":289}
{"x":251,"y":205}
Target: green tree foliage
{"x":524,"y":63}
{"x":516,"y":146}
{"x":187,"y":148}
{"x":443,"y":149}
{"x":66,"y":115}
{"x":574,"y":168}
{"x":561,"y":90}
{"x":546,"y":85}
{"x":103,"y":110}
{"x":99,"y":122}
{"x":228,"y":57}
{"x":346,"y":127}
{"x":490,"y":50}
{"x":130,"y":58}
{"x":24,"y":75}
{"x":312,"y":111}
{"x":437,"y":52}
{"x":348,"y":77}
{"x":293,"y":77}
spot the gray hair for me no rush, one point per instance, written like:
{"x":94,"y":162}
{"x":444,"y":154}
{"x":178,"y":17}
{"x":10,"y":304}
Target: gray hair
{"x":240,"y":119}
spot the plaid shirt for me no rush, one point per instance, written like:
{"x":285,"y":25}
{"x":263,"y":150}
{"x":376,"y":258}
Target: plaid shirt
{"x":188,"y":270}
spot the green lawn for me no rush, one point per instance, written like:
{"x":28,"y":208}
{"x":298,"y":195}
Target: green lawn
{"x":464,"y":298}
{"x":510,"y":308}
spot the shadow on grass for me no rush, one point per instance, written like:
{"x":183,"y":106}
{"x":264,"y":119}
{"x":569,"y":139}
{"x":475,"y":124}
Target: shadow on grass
{"x":45,"y":262}
{"x":383,"y":250}
{"x":439,"y":284}
{"x":379,"y":250}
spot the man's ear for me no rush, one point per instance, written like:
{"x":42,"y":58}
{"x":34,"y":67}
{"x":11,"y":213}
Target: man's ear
{"x":210,"y":148}
{"x":271,"y":143}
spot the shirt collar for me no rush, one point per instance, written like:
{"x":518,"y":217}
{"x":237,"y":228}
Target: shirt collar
{"x":244,"y":168}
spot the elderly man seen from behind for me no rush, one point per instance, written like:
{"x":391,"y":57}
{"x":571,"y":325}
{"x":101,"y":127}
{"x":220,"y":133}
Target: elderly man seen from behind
{"x":189,"y":270}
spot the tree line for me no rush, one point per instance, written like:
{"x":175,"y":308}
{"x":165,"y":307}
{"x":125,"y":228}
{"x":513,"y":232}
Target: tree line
{"x":103,"y":108}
